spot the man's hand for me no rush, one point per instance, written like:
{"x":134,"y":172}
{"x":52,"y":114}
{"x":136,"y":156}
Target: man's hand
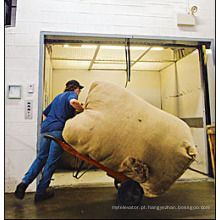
{"x":76,"y":104}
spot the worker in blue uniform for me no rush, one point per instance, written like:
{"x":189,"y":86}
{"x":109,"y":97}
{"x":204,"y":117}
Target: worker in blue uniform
{"x":61,"y":109}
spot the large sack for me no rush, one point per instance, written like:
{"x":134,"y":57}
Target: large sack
{"x":129,"y":135}
{"x":70,"y":162}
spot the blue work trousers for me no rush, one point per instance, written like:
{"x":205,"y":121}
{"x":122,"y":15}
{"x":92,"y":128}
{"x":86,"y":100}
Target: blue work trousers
{"x":49,"y":154}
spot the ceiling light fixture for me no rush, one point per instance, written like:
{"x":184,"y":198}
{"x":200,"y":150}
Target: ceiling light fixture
{"x":72,"y":45}
{"x":123,"y":47}
{"x":114,"y":47}
{"x":89,"y":46}
{"x":157,"y":48}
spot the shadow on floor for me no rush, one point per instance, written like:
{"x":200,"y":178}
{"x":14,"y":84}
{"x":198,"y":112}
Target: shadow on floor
{"x":184,"y":200}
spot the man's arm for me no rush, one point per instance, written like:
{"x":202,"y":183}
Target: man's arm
{"x":44,"y":117}
{"x":75,"y":104}
{"x":47,"y":110}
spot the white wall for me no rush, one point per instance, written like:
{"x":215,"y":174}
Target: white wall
{"x":189,"y":87}
{"x":145,"y":84}
{"x":169,"y":90}
{"x":20,"y":134}
{"x":181,"y":91}
{"x":191,"y":102}
{"x":149,"y":18}
{"x":182,"y":96}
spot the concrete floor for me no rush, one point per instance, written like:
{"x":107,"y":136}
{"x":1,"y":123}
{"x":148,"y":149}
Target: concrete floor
{"x":184,"y":200}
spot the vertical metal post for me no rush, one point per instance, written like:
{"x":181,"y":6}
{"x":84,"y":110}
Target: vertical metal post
{"x":204,"y":81}
{"x":40,"y":91}
{"x":177,"y":83}
{"x":8,"y":15}
{"x":205,"y":89}
{"x":128,"y":59}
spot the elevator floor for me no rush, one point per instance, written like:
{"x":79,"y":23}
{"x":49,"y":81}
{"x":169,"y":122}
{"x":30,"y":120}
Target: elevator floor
{"x":184,"y":200}
{"x":99,"y":177}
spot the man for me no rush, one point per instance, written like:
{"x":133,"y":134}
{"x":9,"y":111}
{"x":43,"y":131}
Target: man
{"x":55,"y":115}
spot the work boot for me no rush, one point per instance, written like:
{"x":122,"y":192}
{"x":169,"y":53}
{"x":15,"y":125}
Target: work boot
{"x":20,"y":190}
{"x":43,"y":196}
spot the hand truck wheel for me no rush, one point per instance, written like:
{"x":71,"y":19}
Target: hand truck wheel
{"x":130,"y":192}
{"x":117,"y":184}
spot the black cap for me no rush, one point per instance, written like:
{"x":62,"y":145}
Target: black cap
{"x":75,"y":83}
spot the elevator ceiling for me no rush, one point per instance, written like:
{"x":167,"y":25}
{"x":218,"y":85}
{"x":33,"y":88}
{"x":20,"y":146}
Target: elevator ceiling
{"x":113,"y":57}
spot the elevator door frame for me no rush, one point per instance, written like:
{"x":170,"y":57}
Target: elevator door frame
{"x":200,"y":44}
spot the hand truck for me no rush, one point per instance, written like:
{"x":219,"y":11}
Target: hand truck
{"x":129,"y":191}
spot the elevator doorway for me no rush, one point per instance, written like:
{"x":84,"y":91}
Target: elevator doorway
{"x":174,"y":76}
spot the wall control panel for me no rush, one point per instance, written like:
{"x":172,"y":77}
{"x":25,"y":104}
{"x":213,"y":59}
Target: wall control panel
{"x":28,"y":109}
{"x":30,"y":88}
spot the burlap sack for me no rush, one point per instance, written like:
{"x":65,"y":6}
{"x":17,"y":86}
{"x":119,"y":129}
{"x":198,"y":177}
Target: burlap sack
{"x":70,"y":162}
{"x":129,"y":135}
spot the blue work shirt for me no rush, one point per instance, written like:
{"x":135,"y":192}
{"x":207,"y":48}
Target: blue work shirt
{"x":58,"y":112}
